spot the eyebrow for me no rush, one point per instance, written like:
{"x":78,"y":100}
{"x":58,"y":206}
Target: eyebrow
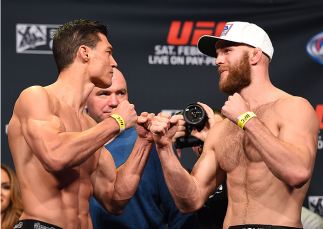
{"x":122,"y":90}
{"x":101,"y":91}
{"x":106,"y":90}
{"x":110,"y":48}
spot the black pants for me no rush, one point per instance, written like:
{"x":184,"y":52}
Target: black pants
{"x":259,"y":226}
{"x":34,"y":224}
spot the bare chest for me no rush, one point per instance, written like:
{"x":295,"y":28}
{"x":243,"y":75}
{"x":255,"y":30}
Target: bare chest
{"x":74,"y":123}
{"x":71,"y":121}
{"x":235,"y":148}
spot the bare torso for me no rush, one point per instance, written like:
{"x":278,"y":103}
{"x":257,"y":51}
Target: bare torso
{"x":62,"y":198}
{"x":255,"y":195}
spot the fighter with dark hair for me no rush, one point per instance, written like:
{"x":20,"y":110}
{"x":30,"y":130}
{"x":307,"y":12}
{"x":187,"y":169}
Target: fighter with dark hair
{"x":58,"y":150}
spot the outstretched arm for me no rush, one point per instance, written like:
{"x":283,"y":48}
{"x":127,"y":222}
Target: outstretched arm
{"x":290,"y":153}
{"x":189,"y":191}
{"x":113,"y":188}
{"x":61,"y":144}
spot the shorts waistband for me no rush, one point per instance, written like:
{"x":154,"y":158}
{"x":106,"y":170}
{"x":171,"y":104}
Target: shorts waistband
{"x":34,"y":224}
{"x":259,"y":226}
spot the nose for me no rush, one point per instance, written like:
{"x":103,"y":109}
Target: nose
{"x":113,"y":100}
{"x":219,"y":60}
{"x":113,"y":62}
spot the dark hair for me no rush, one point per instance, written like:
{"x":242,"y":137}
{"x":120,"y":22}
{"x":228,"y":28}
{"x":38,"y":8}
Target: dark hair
{"x":73,"y":34}
{"x":15,"y":208}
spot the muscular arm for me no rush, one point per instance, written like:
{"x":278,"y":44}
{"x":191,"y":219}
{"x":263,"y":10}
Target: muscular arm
{"x":54,"y":143}
{"x":189,"y":191}
{"x":176,"y":219}
{"x":289,"y":156}
{"x":113,"y":188}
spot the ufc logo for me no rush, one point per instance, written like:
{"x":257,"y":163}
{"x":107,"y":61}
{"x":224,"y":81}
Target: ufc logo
{"x":188,"y":33}
{"x":319,"y":112}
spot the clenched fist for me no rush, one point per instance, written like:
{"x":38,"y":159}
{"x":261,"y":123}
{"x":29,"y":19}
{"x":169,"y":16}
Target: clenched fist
{"x":234,"y":107}
{"x":163,"y":128}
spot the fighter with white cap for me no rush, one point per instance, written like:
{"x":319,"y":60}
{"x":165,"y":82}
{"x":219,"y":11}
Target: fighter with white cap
{"x":266,"y":144}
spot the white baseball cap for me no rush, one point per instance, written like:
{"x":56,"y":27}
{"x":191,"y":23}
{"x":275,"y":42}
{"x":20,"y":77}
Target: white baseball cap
{"x":240,"y":32}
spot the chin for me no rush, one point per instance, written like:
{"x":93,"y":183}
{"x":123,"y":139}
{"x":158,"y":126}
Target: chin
{"x":105,"y":116}
{"x":102,"y":84}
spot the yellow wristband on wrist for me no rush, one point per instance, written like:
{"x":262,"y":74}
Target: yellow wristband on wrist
{"x":120,"y":121}
{"x":245,"y":117}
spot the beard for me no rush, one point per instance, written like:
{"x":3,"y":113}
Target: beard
{"x":238,"y":78}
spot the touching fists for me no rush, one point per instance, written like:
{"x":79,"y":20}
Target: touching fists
{"x":163,"y":128}
{"x":143,"y":125}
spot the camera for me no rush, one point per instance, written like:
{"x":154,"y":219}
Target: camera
{"x":194,"y":116}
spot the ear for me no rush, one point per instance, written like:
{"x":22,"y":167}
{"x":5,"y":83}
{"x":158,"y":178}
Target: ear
{"x":84,"y":52}
{"x":256,"y":56}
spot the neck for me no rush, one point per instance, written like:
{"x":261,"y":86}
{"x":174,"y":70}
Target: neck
{"x":260,"y":91}
{"x":72,"y":87}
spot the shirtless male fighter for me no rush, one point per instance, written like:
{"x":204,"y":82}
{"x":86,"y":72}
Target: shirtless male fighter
{"x":266,"y":145}
{"x":58,"y":150}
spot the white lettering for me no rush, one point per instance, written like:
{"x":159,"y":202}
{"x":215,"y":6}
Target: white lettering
{"x":170,"y":49}
{"x":179,"y":55}
{"x":164,"y":50}
{"x":39,"y":226}
{"x":194,"y":60}
{"x":157,"y":49}
{"x":180,"y":50}
{"x":200,"y":60}
{"x":158,"y":60}
{"x":177,"y":60}
{"x":210,"y":60}
{"x":188,"y":51}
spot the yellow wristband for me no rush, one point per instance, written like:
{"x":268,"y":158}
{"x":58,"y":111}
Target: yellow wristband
{"x":245,"y":117}
{"x":120,"y":122}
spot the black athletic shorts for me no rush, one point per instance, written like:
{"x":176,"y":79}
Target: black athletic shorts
{"x":259,"y":226}
{"x":34,"y":224}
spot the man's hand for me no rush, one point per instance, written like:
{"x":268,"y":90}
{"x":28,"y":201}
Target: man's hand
{"x":143,"y":125}
{"x":163,"y":128}
{"x":181,"y":128}
{"x":212,"y":119}
{"x":234,"y":107}
{"x":127,"y":112}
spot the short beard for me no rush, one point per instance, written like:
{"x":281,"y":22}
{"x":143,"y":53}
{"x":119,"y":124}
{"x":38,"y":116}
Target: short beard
{"x":238,"y":78}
